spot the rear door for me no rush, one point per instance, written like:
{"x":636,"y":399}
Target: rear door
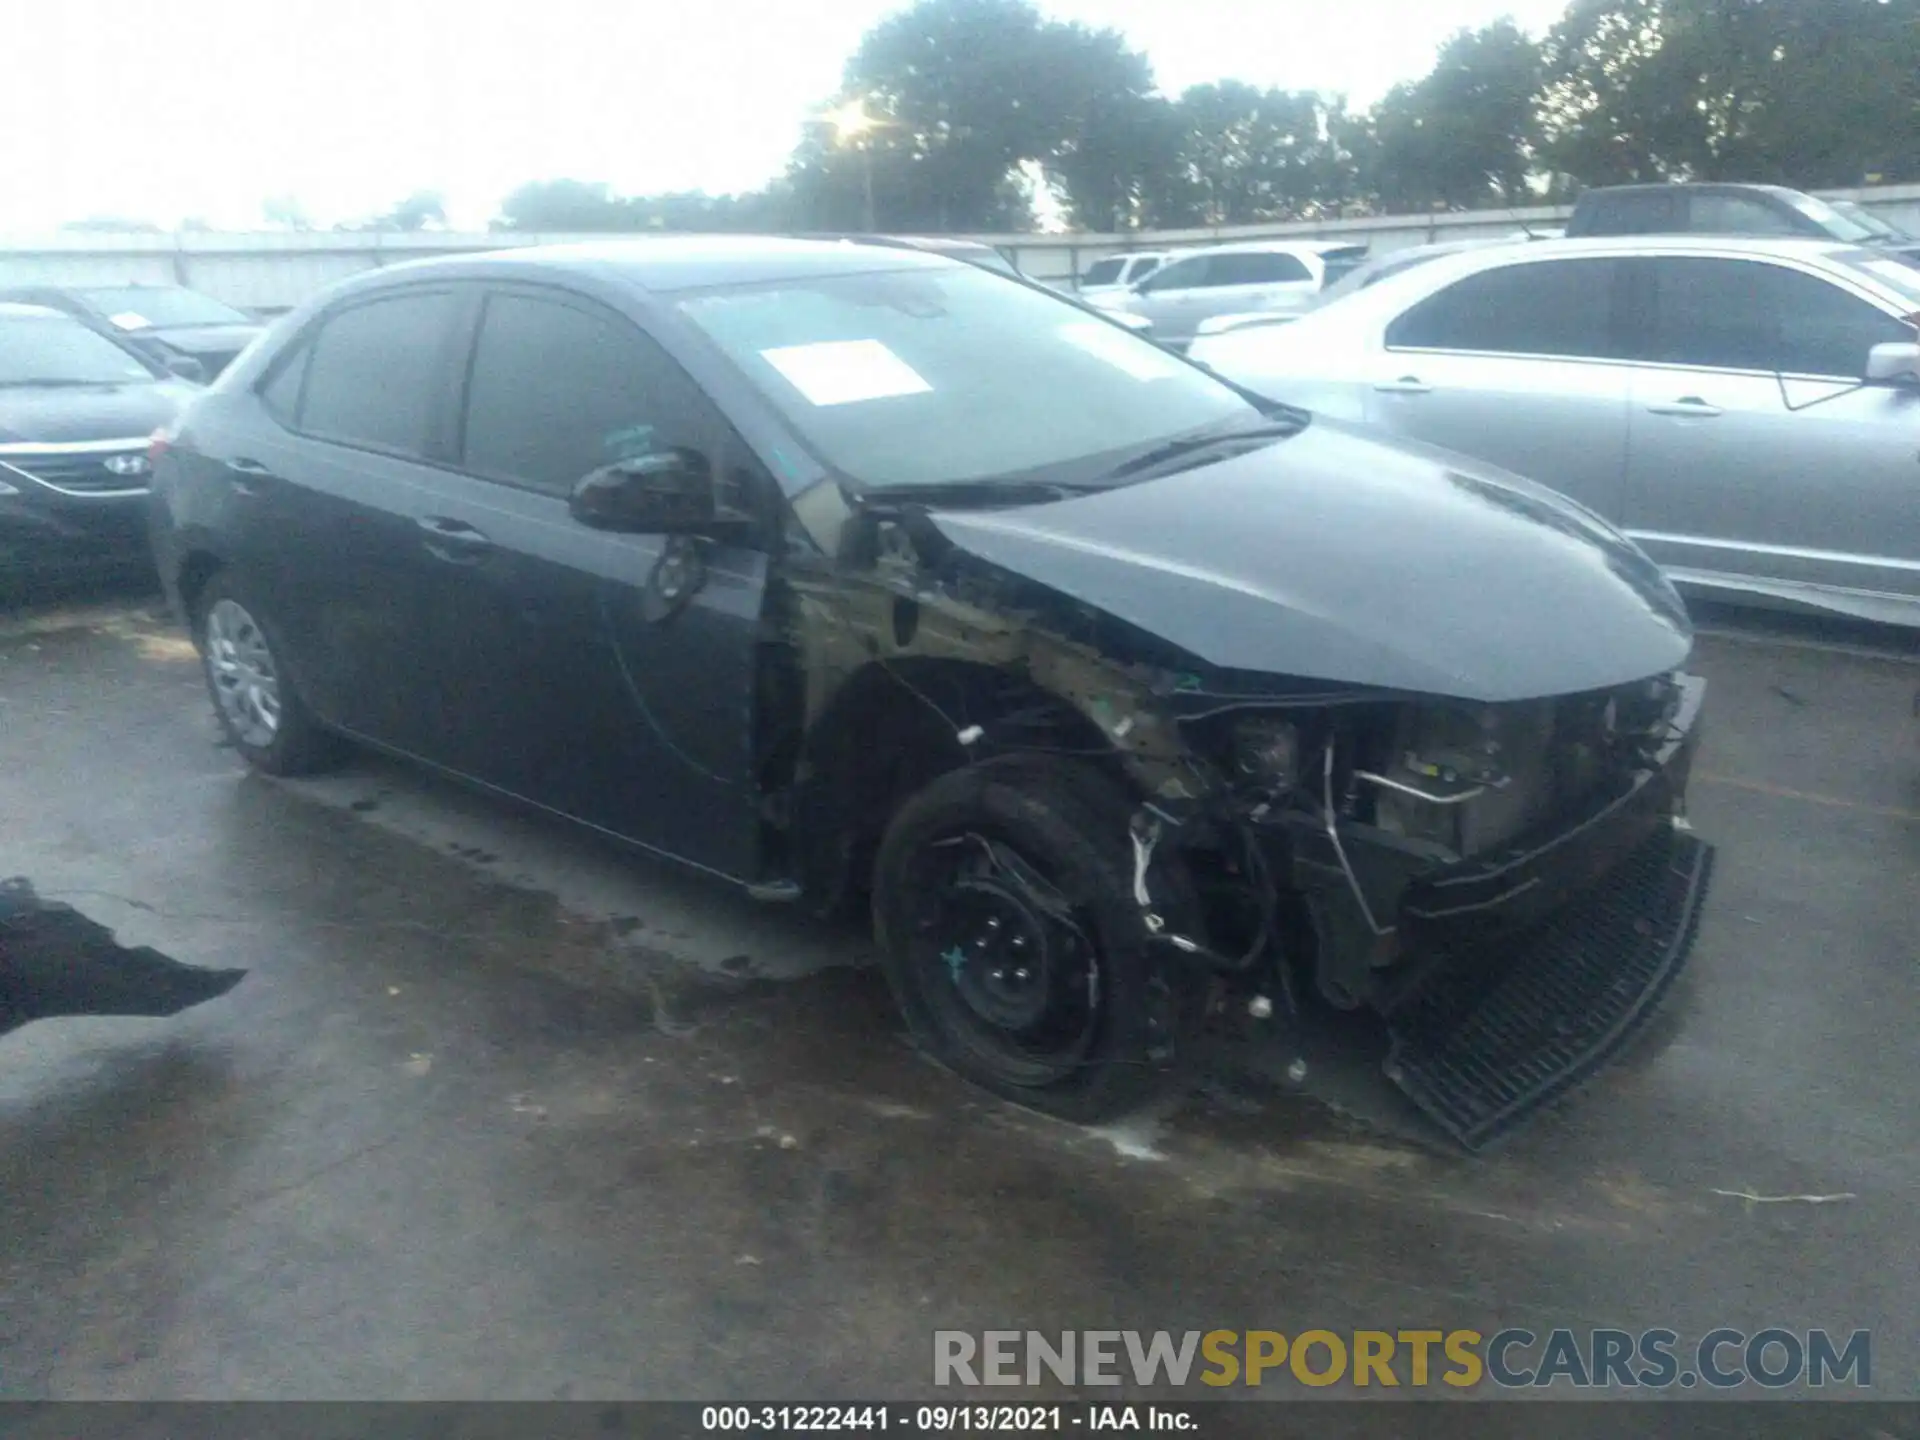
{"x":1243,"y":282}
{"x":608,"y":677}
{"x":1516,"y":365}
{"x":1754,"y":451}
{"x":322,"y":474}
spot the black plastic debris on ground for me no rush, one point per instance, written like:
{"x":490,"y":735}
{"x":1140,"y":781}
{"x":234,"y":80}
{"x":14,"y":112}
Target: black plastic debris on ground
{"x":1482,"y":1049}
{"x":54,"y":961}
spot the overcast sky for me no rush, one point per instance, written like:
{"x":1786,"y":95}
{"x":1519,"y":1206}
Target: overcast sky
{"x":162,"y":109}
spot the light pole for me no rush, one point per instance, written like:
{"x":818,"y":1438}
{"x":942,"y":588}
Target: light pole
{"x":852,"y":125}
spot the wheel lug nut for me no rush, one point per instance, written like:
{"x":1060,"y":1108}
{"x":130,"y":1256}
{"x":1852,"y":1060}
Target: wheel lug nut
{"x":1021,"y":973}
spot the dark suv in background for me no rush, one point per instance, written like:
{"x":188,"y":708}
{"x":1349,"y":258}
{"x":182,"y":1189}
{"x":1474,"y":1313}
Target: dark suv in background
{"x":191,"y":334}
{"x":1728,"y":209}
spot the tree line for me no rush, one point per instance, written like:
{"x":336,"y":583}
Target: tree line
{"x":974,"y":104}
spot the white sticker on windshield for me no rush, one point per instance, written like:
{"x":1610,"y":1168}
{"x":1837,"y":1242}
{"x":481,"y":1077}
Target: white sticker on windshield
{"x":1138,"y":358}
{"x":840,"y":372}
{"x":131,"y":320}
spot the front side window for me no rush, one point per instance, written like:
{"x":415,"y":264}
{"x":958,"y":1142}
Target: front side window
{"x":927,"y":377}
{"x":1553,"y":307}
{"x":1748,"y":315}
{"x":559,"y":391}
{"x":1737,"y":215}
{"x":1143,"y":268}
{"x":377,"y":372}
{"x":1182,"y":274}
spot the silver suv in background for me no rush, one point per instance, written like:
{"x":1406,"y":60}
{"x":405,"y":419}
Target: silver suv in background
{"x":1748,"y":411}
{"x":1264,"y":275}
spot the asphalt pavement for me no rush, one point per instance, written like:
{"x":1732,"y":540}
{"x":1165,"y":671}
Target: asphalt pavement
{"x":503,"y":1113}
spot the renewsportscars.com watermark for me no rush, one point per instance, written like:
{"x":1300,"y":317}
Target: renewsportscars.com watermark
{"x":1772,"y":1358}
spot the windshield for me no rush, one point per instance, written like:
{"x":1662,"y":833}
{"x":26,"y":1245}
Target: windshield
{"x":56,"y":350}
{"x":145,"y":307}
{"x":1841,"y":227}
{"x":932,"y":377}
{"x":1103,"y":272}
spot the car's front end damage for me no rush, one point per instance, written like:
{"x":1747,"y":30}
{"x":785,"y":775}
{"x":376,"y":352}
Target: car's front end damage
{"x":1443,"y":865}
{"x":1458,"y":804}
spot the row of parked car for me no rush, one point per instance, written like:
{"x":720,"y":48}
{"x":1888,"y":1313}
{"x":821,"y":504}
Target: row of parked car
{"x":1188,"y":294}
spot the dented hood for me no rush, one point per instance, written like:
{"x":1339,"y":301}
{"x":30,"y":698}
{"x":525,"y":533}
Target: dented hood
{"x":1338,"y":556}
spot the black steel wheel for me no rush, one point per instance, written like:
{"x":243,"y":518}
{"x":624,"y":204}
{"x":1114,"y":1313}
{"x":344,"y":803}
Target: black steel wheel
{"x":1003,"y":904}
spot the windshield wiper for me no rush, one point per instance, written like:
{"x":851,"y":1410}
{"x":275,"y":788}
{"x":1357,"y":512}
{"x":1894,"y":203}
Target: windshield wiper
{"x":56,"y":384}
{"x":1183,"y":446}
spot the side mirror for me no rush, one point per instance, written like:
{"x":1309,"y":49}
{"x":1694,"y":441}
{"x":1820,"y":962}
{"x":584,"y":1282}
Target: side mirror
{"x":1893,"y":364}
{"x":670,"y":492}
{"x":185,"y":367}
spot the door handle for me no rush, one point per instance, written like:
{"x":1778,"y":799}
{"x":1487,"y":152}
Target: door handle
{"x":453,"y":540}
{"x":1405,"y":385}
{"x":242,"y":472}
{"x":1686,"y":405}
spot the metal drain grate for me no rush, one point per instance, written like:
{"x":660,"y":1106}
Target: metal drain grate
{"x":1484,"y":1046}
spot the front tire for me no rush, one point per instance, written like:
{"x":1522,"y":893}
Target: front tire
{"x":255,"y":702}
{"x":1003,"y":904}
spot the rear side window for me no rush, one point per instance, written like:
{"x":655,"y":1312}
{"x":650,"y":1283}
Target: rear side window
{"x":1643,"y":213}
{"x":1551,"y":307}
{"x":376,"y":372}
{"x":1102,"y":272}
{"x":558,"y":392}
{"x":281,"y":394}
{"x":1746,"y":315}
{"x":1257,"y":267}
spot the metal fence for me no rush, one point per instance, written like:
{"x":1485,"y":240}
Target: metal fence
{"x":273,"y":272}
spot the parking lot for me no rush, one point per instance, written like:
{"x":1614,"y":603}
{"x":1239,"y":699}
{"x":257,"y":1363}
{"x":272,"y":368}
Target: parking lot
{"x":501,"y":1112}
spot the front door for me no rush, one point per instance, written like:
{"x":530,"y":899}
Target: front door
{"x":608,"y":677}
{"x":1514,"y":365}
{"x":1753,"y":449}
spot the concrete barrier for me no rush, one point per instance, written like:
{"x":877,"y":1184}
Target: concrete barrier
{"x":270,"y":272}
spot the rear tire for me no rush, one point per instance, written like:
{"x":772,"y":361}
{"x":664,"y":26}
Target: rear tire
{"x":1003,"y":904}
{"x":254,"y":700}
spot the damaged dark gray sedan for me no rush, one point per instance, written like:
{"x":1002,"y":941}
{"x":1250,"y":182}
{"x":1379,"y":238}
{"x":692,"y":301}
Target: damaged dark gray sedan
{"x":1123,"y":698}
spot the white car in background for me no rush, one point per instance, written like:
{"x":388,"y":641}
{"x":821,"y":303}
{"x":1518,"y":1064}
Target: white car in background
{"x":1117,"y":273}
{"x":1264,"y":276}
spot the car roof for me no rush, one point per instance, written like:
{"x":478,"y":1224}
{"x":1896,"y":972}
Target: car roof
{"x":679,"y":262}
{"x":1267,"y":247}
{"x":1802,"y":247}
